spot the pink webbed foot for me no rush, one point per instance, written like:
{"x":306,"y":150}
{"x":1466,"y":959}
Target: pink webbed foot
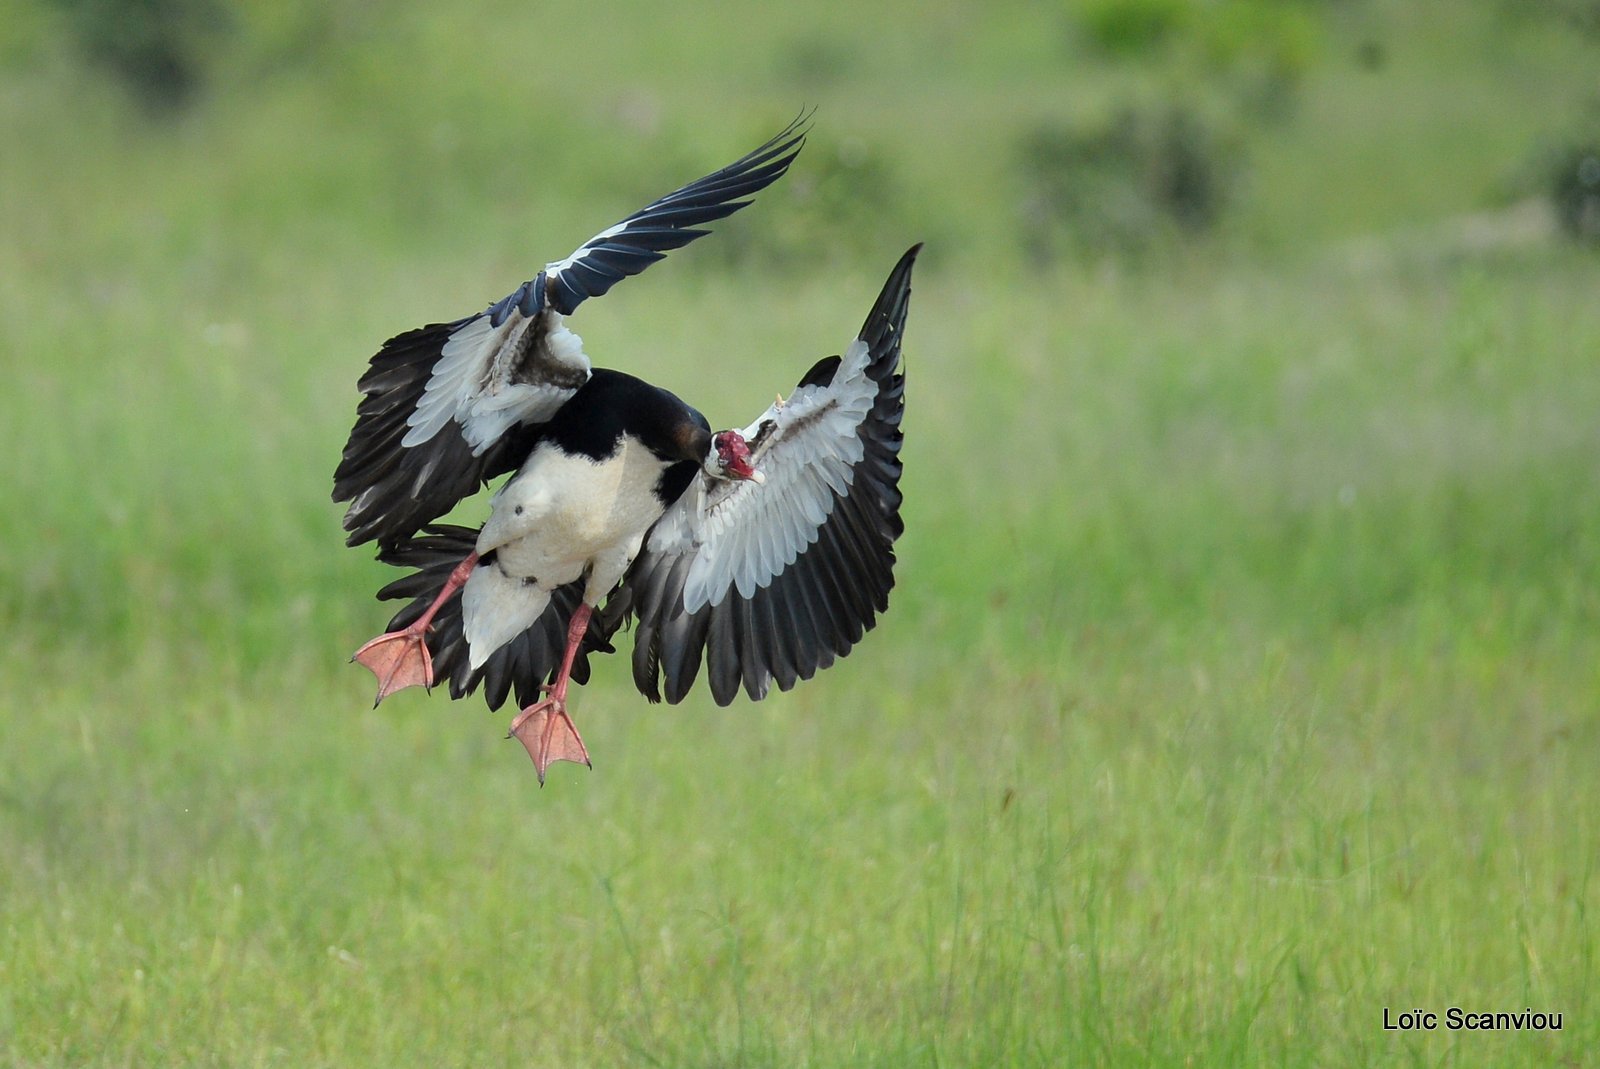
{"x":399,"y":659}
{"x":548,"y":734}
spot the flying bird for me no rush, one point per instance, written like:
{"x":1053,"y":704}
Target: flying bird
{"x":765,"y":551}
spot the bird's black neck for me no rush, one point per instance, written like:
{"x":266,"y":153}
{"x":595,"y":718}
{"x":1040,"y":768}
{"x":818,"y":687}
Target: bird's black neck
{"x":612,"y":404}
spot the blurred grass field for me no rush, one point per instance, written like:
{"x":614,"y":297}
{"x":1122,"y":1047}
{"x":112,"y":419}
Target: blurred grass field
{"x":1243,"y":673}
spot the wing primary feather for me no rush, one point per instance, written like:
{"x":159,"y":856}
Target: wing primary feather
{"x":846,"y":587}
{"x":810,"y":629}
{"x":761,"y":660}
{"x":782,"y":635}
{"x":751,"y":664}
{"x":689,"y":636}
{"x":814,"y":611}
{"x":722,"y":657}
{"x":669,"y":222}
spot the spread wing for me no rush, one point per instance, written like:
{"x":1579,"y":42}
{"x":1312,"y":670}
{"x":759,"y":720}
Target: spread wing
{"x":772,"y":581}
{"x":450,"y":405}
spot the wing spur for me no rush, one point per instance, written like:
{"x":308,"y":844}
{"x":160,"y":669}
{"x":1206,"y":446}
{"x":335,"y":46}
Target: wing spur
{"x":450,"y":405}
{"x":771,"y":582}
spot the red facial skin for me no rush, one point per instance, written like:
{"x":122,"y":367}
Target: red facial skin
{"x":734,"y":454}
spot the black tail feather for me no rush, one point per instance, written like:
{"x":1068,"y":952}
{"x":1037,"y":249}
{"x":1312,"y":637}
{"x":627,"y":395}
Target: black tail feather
{"x":521,"y":665}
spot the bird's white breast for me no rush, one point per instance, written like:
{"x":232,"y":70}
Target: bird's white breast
{"x":574,"y":510}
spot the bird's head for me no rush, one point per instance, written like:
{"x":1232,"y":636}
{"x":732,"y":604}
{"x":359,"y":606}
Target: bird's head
{"x":729,"y":458}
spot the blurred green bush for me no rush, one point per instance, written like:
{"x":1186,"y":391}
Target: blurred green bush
{"x":1563,"y":170}
{"x":1575,"y":190}
{"x":1257,"y":50}
{"x":1139,"y":178}
{"x":157,"y":49}
{"x":1580,"y":15}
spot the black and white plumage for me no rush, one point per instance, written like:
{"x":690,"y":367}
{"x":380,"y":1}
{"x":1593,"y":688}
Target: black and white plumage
{"x":451,"y":405}
{"x":763,"y":553}
{"x":775,"y":581}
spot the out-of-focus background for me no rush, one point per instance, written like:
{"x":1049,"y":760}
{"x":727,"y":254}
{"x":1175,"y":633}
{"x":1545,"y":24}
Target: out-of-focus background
{"x":1242,"y":678}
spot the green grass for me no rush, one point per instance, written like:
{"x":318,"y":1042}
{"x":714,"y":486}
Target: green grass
{"x":1241,"y":680}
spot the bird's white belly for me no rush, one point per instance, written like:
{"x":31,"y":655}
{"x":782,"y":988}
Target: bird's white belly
{"x":559,"y":517}
{"x":577,"y":511}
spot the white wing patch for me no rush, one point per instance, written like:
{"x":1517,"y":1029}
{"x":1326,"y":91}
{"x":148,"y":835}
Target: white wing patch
{"x":746,"y":533}
{"x":472,"y":383}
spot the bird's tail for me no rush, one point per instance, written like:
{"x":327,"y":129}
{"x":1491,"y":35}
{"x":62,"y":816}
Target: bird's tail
{"x":521,"y":664}
{"x":496,"y":608}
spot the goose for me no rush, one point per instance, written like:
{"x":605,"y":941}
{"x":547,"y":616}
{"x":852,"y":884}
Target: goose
{"x":765,"y":551}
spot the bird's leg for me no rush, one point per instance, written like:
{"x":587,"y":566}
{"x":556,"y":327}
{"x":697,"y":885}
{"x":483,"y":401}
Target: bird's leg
{"x":401,"y":659}
{"x":544,"y":728}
